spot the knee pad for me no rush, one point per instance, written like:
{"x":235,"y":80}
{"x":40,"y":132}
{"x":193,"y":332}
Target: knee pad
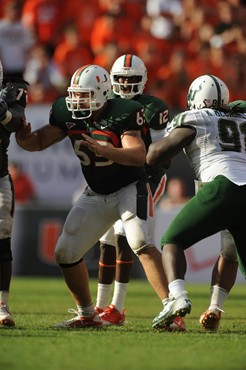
{"x":119,"y":228}
{"x":66,"y":251}
{"x":228,"y":247}
{"x":108,"y":238}
{"x":5,"y":250}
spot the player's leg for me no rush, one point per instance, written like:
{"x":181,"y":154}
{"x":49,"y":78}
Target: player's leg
{"x":106,"y":271}
{"x":223,"y":278}
{"x":6,"y":221}
{"x":136,"y":208}
{"x":114,"y":314}
{"x":124,"y":263}
{"x":76,"y":239}
{"x":201,"y":217}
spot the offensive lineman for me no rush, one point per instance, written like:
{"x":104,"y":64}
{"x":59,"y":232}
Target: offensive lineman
{"x":106,"y":137}
{"x":128,"y":79}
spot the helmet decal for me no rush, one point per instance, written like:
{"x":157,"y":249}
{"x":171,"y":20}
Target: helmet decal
{"x":218,"y":88}
{"x":99,"y":80}
{"x":192,"y":93}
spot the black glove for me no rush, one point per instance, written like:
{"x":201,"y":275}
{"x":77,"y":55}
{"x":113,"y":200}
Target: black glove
{"x":3,"y":109}
{"x":9,"y":94}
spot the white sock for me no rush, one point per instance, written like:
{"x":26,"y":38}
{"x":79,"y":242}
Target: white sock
{"x":218,"y":296}
{"x":86,"y":311}
{"x":103,"y":294}
{"x":119,"y":296}
{"x":176,"y":287}
{"x":4,"y":297}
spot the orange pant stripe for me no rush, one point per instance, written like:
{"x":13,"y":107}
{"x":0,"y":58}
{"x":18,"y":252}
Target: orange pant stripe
{"x":104,"y":265}
{"x":122,"y":262}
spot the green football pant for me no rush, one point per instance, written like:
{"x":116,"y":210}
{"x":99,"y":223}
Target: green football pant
{"x":218,"y":205}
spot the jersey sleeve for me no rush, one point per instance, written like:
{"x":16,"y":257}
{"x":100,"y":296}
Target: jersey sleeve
{"x":157,"y":115}
{"x":134,"y":118}
{"x":185,"y":119}
{"x":59,"y":114}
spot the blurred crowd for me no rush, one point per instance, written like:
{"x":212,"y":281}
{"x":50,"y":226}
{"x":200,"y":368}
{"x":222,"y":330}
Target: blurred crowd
{"x":45,"y":41}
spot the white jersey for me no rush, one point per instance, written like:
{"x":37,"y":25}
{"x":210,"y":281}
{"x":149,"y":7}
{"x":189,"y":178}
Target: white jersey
{"x":219,"y":146}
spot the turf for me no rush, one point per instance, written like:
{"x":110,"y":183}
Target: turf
{"x":38,"y":303}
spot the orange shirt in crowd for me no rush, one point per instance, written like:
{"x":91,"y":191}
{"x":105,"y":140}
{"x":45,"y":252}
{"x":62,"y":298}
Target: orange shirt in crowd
{"x":45,"y":18}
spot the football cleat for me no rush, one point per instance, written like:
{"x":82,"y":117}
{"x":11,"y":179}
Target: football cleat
{"x":99,"y":309}
{"x":111,"y":316}
{"x":179,"y":306}
{"x":210,"y":319}
{"x":6,"y":320}
{"x":80,"y":321}
{"x":178,"y":324}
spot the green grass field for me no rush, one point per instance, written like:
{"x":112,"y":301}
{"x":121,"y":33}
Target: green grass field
{"x":39,"y":303}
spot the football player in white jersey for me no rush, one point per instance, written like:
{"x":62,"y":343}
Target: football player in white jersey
{"x":214,"y":140}
{"x":225,"y":269}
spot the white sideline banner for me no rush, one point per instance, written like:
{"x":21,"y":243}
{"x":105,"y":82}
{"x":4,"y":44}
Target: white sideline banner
{"x":56,"y":171}
{"x":201,"y":257}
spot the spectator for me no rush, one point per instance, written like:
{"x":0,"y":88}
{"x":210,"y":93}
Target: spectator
{"x":23,"y":186}
{"x":44,"y":76}
{"x":45,"y":18}
{"x":71,"y":53}
{"x":15,"y":41}
{"x":164,"y":34}
{"x":83,"y":14}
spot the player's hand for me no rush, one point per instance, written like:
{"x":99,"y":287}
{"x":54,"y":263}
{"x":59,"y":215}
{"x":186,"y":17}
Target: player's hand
{"x":92,"y":144}
{"x":24,"y":132}
{"x":9,"y":94}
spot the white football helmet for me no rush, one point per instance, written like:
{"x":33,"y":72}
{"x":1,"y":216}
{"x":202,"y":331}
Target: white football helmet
{"x":128,"y":65}
{"x":1,"y":74}
{"x":95,"y":81}
{"x":207,"y":91}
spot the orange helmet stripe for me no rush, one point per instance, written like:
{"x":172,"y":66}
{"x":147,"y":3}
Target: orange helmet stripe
{"x":78,"y":74}
{"x":128,"y":60}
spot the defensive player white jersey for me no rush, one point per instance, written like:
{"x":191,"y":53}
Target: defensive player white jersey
{"x":219,"y":147}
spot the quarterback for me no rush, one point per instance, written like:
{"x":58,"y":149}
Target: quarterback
{"x":213,"y":137}
{"x":128,"y":79}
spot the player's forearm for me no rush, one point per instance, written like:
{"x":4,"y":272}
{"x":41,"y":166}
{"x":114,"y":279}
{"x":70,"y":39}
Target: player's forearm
{"x":126,"y":156}
{"x":40,"y":139}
